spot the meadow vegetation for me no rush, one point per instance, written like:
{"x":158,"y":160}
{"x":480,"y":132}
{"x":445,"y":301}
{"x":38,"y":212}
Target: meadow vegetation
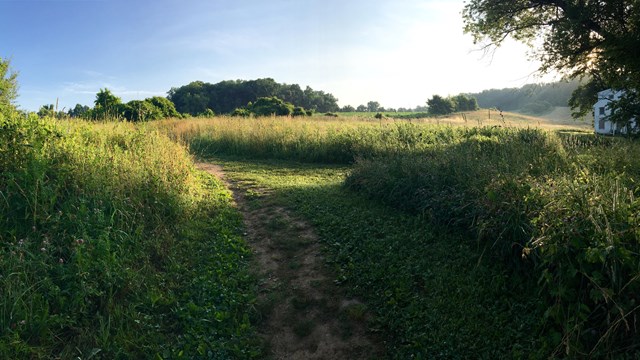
{"x":557,"y":210}
{"x":114,"y":246}
{"x":502,"y":240}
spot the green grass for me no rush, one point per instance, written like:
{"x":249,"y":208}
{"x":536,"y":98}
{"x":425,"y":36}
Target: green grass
{"x":561,"y":208}
{"x":431,"y":294}
{"x":557,"y":209}
{"x":113,"y":246}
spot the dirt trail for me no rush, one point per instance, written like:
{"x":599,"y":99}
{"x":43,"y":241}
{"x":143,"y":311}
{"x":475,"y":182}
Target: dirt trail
{"x":304,"y":314}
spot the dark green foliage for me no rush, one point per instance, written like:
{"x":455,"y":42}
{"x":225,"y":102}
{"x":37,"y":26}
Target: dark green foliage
{"x":241,"y":112}
{"x":373,"y":106}
{"x":140,"y":110}
{"x":299,"y":111}
{"x":107,"y":106}
{"x":270,"y":106}
{"x":584,"y":97}
{"x":440,"y":106}
{"x":46,"y":111}
{"x":166,"y":107}
{"x":208,"y":113}
{"x":79,"y":111}
{"x":464,"y":103}
{"x":562,"y":209}
{"x":111,"y":246}
{"x":226,"y":96}
{"x":428,"y":294}
{"x":594,"y":39}
{"x":626,"y":106}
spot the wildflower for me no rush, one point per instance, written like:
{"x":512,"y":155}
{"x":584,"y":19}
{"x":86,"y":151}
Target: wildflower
{"x":79,"y":241}
{"x":61,"y":261}
{"x":43,"y":249}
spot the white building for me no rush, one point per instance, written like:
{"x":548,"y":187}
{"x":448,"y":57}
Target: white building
{"x":601,"y":112}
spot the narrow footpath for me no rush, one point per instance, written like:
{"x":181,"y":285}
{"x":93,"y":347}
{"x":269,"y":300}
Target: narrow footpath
{"x":304,"y":315}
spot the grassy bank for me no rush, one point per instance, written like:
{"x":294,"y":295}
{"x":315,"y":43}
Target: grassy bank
{"x":113,"y":246}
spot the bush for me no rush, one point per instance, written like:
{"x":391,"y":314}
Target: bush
{"x":298,"y":111}
{"x":270,"y":106}
{"x":208,"y":113}
{"x":241,"y":112}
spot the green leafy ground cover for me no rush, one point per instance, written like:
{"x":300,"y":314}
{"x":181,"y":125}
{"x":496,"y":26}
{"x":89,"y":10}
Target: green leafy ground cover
{"x":558,"y":211}
{"x":431,"y":293}
{"x":113,"y":246}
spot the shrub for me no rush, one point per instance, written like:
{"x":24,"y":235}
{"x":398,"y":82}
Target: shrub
{"x":241,"y":112}
{"x":269,"y":106}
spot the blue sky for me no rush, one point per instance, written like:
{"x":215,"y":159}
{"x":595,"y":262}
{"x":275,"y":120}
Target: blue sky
{"x":398,"y":52}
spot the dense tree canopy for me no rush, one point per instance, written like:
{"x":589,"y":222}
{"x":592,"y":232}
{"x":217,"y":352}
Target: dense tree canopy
{"x":226,"y":96}
{"x":596,"y":39}
{"x":440,"y":106}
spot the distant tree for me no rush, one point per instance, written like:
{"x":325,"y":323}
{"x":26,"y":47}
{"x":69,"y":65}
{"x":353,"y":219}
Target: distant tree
{"x":208,"y":113}
{"x":241,"y":112}
{"x":192,"y":98}
{"x":141,"y":110}
{"x":401,"y":109}
{"x":46,"y":111}
{"x":8,"y":86}
{"x":373,"y":106}
{"x":166,"y":107}
{"x":348,"y":108}
{"x":440,"y":106}
{"x":228,"y":95}
{"x":300,"y":111}
{"x":361,"y":108}
{"x":465,"y":103}
{"x":79,"y":111}
{"x":107,"y":105}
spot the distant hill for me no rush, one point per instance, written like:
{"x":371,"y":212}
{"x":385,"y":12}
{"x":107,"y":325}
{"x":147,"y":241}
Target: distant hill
{"x":533,"y":99}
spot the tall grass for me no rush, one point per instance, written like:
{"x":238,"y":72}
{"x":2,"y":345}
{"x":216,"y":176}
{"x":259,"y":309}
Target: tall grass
{"x":330,"y":141}
{"x":113,"y":246}
{"x":563,"y":208}
{"x":558,"y":207}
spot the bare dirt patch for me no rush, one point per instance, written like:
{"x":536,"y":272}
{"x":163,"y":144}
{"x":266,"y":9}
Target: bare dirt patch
{"x":304,"y":314}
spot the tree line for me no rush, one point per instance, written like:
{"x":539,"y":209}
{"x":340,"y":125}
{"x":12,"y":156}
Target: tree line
{"x":227,"y":96}
{"x":534,"y":99}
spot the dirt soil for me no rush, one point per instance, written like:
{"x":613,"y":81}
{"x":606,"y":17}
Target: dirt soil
{"x":304,"y":314}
